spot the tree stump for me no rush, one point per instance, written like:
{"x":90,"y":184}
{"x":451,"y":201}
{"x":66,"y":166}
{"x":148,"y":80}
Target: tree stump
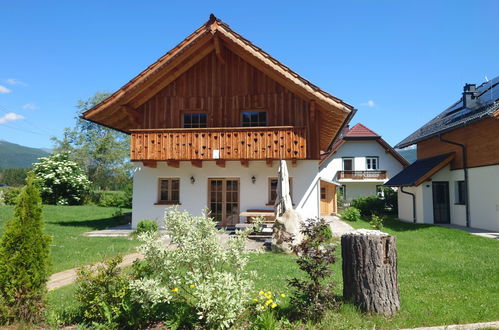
{"x":370,"y":271}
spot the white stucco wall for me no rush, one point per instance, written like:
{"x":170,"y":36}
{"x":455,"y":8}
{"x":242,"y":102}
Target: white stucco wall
{"x":193,"y":197}
{"x":360,"y":189}
{"x":484,"y":198}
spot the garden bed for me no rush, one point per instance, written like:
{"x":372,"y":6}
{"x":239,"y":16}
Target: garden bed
{"x":446,"y":277}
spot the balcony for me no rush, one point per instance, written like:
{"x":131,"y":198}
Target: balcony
{"x":231,"y":143}
{"x":370,"y":175}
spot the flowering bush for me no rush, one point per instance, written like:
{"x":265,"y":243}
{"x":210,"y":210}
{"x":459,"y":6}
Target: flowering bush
{"x":61,"y":181}
{"x":195,"y":269}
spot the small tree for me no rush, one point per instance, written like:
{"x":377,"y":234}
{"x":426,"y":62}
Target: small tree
{"x":61,"y":180}
{"x":314,"y":295}
{"x":24,"y":260}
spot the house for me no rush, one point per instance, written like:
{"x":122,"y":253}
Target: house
{"x":360,"y":162}
{"x":209,"y":121}
{"x":455,"y":179}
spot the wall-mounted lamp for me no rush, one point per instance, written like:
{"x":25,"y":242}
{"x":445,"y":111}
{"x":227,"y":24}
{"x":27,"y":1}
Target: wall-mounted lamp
{"x":253,"y":179}
{"x":193,"y":180}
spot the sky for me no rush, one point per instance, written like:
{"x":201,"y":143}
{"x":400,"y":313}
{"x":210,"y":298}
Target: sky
{"x":399,"y":63}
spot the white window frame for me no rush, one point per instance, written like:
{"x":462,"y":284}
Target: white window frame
{"x":369,"y":163}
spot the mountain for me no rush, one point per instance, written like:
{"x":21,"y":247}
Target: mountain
{"x":14,"y":155}
{"x":409,"y":154}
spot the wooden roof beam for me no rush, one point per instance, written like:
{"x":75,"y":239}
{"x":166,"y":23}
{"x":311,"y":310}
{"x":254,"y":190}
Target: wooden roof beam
{"x":220,"y":162}
{"x":135,"y":116}
{"x":218,"y":48}
{"x":150,"y":163}
{"x":173,"y":163}
{"x":197,"y":163}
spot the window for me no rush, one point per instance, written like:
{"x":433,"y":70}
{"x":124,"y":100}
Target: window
{"x":169,"y":191}
{"x":347,"y":164}
{"x":372,"y":163}
{"x":460,"y":193}
{"x":323,"y":193}
{"x":273,"y":190}
{"x":195,"y":120}
{"x":253,"y":119}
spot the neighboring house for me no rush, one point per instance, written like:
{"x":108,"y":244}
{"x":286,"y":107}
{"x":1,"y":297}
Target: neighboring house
{"x":360,"y":162}
{"x":456,"y":177}
{"x":210,"y":120}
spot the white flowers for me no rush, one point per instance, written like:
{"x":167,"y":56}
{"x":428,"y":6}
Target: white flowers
{"x":62,"y":181}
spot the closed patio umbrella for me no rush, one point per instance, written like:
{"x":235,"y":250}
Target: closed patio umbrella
{"x":283,"y":201}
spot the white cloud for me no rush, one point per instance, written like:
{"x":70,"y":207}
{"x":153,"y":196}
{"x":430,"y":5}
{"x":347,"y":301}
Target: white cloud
{"x":30,"y":106}
{"x":4,"y":90}
{"x":369,"y":104}
{"x":11,"y":116}
{"x":13,"y":81}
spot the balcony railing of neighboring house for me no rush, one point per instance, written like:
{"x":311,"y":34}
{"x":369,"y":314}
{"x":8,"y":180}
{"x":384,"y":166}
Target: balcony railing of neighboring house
{"x":231,"y":143}
{"x":361,"y":175}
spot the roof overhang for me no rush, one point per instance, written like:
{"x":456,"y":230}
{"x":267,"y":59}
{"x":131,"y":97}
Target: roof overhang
{"x":119,"y":112}
{"x":420,"y":171}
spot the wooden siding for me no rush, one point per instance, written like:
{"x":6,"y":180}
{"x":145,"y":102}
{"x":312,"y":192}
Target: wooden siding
{"x":481,"y":141}
{"x":234,"y":143}
{"x":223,"y":91}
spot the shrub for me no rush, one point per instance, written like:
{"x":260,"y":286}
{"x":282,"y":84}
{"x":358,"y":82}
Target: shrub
{"x":313,"y":296}
{"x":24,"y":260}
{"x":376,"y":222}
{"x":102,"y":291}
{"x":8,"y":195}
{"x":61,"y":181}
{"x":351,"y":214}
{"x":111,"y":198}
{"x":201,"y":274}
{"x":369,"y":205}
{"x":390,"y":198}
{"x":147,"y":226}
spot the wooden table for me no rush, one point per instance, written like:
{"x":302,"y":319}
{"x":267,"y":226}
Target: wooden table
{"x":268,"y":215}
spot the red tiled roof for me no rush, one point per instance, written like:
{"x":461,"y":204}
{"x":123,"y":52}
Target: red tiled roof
{"x":360,"y":130}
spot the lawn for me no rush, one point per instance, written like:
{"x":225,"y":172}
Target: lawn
{"x":446,"y":276}
{"x":66,"y":224}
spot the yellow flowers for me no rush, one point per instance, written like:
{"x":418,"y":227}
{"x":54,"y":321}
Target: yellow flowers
{"x":192,"y":286}
{"x":267,"y":300}
{"x":175,"y":290}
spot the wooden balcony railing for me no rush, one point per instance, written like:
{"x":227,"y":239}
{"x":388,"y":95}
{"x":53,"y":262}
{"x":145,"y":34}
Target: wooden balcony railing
{"x":239,"y":143}
{"x":361,"y":175}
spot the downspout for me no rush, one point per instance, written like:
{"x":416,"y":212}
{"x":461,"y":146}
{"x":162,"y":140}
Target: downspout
{"x":464,"y":151}
{"x":413,"y":203}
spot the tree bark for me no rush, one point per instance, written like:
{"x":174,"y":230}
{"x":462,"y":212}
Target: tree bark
{"x":370,"y":271}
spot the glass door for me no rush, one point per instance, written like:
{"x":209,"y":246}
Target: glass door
{"x":223,"y":198}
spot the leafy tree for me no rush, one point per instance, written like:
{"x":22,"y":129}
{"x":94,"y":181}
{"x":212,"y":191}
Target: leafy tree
{"x":61,"y":180}
{"x":24,"y":260}
{"x":101,"y":152}
{"x":14,"y":176}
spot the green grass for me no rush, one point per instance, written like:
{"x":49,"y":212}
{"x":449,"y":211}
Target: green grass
{"x":66,"y":224}
{"x":446,"y":276}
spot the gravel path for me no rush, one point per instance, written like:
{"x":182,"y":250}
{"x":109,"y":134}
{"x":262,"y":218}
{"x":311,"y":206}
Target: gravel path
{"x":338,"y":227}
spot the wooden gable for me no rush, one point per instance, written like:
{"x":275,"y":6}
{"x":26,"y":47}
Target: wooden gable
{"x":217,"y":71}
